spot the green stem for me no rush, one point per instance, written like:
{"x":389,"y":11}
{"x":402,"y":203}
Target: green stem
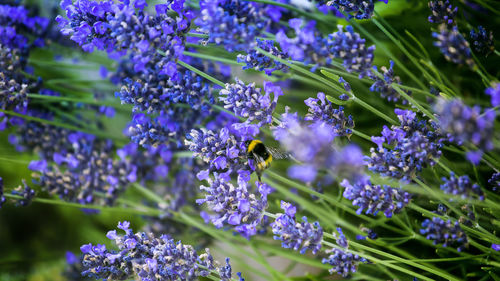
{"x":330,"y":84}
{"x":405,"y":261}
{"x":212,"y":58}
{"x":414,"y":102}
{"x":201,"y":73}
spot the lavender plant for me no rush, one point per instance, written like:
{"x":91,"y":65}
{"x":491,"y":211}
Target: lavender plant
{"x":270,"y":131}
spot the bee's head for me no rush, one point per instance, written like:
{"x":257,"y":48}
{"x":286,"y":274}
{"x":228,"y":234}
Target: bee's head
{"x":247,"y":142}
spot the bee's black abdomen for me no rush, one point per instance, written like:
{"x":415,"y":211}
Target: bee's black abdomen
{"x":261,"y":150}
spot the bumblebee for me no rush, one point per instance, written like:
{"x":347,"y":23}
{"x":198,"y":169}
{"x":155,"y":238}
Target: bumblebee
{"x":263,"y":155}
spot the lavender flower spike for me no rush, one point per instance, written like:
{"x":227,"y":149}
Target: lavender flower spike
{"x":232,"y":23}
{"x":444,"y":232}
{"x":374,"y":198}
{"x":442,"y":12}
{"x":248,"y":102}
{"x":146,"y":257}
{"x":461,"y":186}
{"x":342,"y":260}
{"x":453,"y":46}
{"x":466,"y":124}
{"x":292,"y":234}
{"x":321,"y":109}
{"x":235,"y":205}
{"x":352,"y":49}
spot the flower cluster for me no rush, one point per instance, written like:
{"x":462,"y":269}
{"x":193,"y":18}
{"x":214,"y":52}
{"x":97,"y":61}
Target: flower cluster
{"x":14,"y":21}
{"x":352,"y":49}
{"x":342,"y":260}
{"x":374,"y":198}
{"x":442,"y":12}
{"x":248,"y":102}
{"x":359,"y":9}
{"x":294,"y":235}
{"x":466,"y":124}
{"x":322,"y":110}
{"x":148,"y":258}
{"x":13,"y":85}
{"x":313,"y":145}
{"x":453,"y":46}
{"x":158,"y":92}
{"x":86,"y":175}
{"x":415,"y":145}
{"x":120,"y":27}
{"x":151,"y":164}
{"x":461,"y":186}
{"x":444,"y":232}
{"x":221,"y":151}
{"x":168,"y":126}
{"x":255,"y":60}
{"x":43,"y":139}
{"x":232,"y":23}
{"x":235,"y":204}
{"x":482,"y":41}
{"x":308,"y":45}
{"x":383,"y":85}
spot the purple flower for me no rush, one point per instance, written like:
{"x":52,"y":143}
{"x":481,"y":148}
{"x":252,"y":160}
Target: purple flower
{"x":248,"y":102}
{"x":147,"y":257}
{"x":466,"y":124}
{"x":16,"y":26}
{"x":232,"y":23}
{"x":351,"y":48}
{"x":308,"y":45}
{"x":342,"y":260}
{"x":453,"y":46}
{"x":444,"y":232}
{"x":415,"y":145}
{"x":494,"y":181}
{"x":374,"y":198}
{"x":121,"y":28}
{"x":167,"y":127}
{"x":86,"y":169}
{"x":482,"y":41}
{"x":214,"y":149}
{"x":360,"y":9}
{"x":234,"y":204}
{"x":313,"y":145}
{"x":255,"y":60}
{"x":157,"y":92}
{"x":495,"y":247}
{"x":461,"y":186}
{"x":38,"y":165}
{"x":13,"y":85}
{"x":294,"y":235}
{"x":442,"y":12}
{"x":321,"y":109}
{"x":383,"y":86}
{"x":26,"y":192}
{"x":494,"y":92}
{"x":474,"y":156}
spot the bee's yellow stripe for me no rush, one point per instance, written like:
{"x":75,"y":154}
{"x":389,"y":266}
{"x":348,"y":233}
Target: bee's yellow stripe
{"x":264,"y":165}
{"x":252,"y":145}
{"x":269,"y":160}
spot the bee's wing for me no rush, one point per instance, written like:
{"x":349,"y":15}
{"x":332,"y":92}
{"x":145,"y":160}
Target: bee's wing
{"x":278,"y":153}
